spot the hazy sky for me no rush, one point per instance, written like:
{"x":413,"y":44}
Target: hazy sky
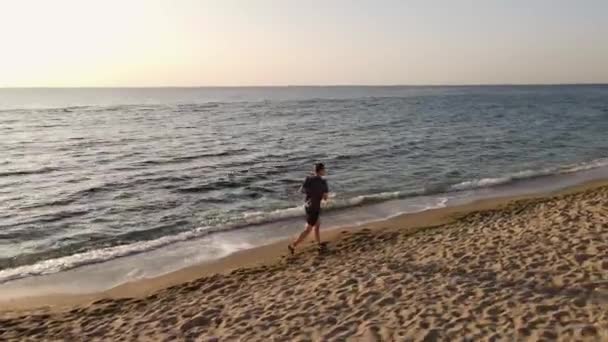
{"x":249,"y":42}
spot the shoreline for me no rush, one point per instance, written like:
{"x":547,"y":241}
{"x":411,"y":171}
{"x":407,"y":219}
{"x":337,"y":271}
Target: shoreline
{"x":271,"y":254}
{"x":100,"y":269}
{"x":526,"y":268}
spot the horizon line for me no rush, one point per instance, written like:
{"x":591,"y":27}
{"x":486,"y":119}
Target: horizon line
{"x":313,"y":86}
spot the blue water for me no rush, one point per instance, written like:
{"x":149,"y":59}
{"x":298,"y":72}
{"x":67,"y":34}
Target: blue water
{"x":87,"y":170}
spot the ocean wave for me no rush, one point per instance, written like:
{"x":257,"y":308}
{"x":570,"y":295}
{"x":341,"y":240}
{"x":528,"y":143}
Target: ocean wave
{"x":594,"y":164}
{"x":222,"y":184}
{"x":184,"y":159}
{"x":197,"y":107}
{"x":28,"y":172}
{"x":260,"y":217}
{"x":336,"y":203}
{"x":528,"y":174}
{"x":256,"y":218}
{"x":95,"y":256}
{"x":105,"y":254}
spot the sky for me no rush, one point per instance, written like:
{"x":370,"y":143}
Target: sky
{"x":76,"y":43}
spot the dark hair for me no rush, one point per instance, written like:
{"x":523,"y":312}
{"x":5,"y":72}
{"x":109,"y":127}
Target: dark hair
{"x":319,"y":167}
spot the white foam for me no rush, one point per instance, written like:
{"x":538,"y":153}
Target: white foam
{"x":601,"y":162}
{"x":527,"y":174}
{"x":94,"y":256}
{"x":442,"y":202}
{"x":480,"y":183}
{"x":231,"y":247}
{"x":383,"y":196}
{"x":258,"y":217}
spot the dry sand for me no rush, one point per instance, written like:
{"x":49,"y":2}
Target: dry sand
{"x":533,"y":269}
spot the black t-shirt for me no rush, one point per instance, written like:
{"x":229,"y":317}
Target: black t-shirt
{"x":314,"y":187}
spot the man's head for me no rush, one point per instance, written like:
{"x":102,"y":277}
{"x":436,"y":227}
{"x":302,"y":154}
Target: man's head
{"x":320,"y":169}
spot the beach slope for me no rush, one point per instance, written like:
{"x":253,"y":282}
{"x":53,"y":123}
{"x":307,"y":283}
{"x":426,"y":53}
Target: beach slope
{"x":533,"y":268}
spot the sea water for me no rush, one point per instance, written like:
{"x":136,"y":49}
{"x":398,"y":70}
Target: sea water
{"x":109,"y":178}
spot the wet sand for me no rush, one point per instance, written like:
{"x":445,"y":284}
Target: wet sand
{"x":534,"y":268}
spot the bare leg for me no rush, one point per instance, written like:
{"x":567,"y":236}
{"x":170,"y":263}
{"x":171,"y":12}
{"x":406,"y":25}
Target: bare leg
{"x":317,"y":235}
{"x":302,"y":236}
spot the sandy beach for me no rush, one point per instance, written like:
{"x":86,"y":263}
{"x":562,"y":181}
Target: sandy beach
{"x":530,"y":269}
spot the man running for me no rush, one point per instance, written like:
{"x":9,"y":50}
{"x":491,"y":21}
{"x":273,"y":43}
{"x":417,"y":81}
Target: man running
{"x":315,"y":189}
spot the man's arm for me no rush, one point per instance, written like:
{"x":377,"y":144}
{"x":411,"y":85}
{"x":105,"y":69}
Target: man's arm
{"x":325,"y":191}
{"x":304,"y":186}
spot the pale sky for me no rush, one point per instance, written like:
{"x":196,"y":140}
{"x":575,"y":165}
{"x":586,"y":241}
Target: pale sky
{"x":55,"y":43}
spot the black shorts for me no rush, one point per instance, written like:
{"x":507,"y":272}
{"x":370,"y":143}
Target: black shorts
{"x":312,"y":215}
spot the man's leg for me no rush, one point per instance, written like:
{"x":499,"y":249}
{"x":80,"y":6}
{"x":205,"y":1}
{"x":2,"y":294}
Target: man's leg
{"x":317,"y":234}
{"x":302,"y":236}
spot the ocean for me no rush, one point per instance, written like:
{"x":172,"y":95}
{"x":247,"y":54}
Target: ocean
{"x":93,"y":176}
